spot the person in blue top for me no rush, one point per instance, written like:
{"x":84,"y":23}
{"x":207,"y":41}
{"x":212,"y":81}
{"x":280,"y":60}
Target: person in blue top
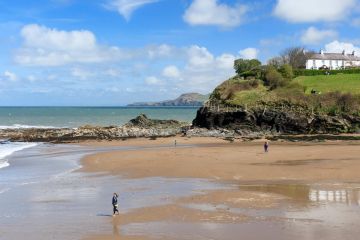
{"x":115,"y":204}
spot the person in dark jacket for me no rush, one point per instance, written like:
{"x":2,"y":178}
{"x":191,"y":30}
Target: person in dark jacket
{"x":115,"y":204}
{"x":266,"y":146}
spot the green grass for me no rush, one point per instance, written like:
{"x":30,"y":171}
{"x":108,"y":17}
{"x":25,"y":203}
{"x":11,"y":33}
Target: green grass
{"x":250,"y":97}
{"x":340,"y":82}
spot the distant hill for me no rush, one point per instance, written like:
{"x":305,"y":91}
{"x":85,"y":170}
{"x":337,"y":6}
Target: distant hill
{"x":187,"y":99}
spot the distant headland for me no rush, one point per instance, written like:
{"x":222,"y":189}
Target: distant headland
{"x":186,"y":99}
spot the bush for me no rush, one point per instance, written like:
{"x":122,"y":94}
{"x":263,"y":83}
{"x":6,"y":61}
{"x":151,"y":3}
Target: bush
{"x":287,"y":71}
{"x":337,"y":102}
{"x":274,"y":79}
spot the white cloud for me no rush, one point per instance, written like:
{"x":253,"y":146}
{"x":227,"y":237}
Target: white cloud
{"x":10,"y":76}
{"x":196,"y":67}
{"x":112,"y":72}
{"x":31,"y":78}
{"x":127,"y":7}
{"x":162,"y":50}
{"x":249,"y":53}
{"x":153,"y":81}
{"x":37,"y":36}
{"x":315,"y":36}
{"x":203,"y":70}
{"x":225,"y":61}
{"x":81,"y":73}
{"x":313,"y":10}
{"x":43,"y":46}
{"x":171,"y":72}
{"x":199,"y":56}
{"x":211,"y":12}
{"x":337,"y":47}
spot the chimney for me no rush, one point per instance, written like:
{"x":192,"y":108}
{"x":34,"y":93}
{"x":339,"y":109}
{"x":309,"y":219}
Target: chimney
{"x":343,"y":52}
{"x":321,"y":52}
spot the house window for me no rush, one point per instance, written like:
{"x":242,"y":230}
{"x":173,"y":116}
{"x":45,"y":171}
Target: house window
{"x":314,"y":63}
{"x":323,"y":62}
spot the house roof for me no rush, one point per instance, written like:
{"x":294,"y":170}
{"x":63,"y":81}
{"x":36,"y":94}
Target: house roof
{"x":334,"y":56}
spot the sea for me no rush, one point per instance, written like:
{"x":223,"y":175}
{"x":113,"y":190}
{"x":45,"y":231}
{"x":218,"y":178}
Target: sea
{"x":73,"y":117}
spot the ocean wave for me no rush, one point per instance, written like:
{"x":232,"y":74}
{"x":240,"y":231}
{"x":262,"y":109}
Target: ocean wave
{"x":4,"y":164}
{"x":4,"y":190}
{"x":8,"y":148}
{"x":21,"y":126}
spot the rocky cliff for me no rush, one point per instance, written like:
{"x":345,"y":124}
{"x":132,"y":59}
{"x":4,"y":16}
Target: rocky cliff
{"x":274,"y":121}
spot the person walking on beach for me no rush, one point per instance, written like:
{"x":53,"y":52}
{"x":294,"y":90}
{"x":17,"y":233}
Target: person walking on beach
{"x":266,"y":146}
{"x":115,"y":204}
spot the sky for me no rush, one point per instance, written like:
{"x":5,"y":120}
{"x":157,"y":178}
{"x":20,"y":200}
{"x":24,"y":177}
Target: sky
{"x":115,"y":52}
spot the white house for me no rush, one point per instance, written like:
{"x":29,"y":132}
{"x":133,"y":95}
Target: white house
{"x":332,"y":60}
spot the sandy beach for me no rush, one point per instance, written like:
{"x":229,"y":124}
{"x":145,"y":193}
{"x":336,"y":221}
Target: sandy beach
{"x":282,"y":188}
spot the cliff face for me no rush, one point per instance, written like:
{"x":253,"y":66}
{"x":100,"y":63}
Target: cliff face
{"x":275,"y":121}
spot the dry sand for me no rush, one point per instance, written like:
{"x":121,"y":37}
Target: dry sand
{"x":236,"y":163}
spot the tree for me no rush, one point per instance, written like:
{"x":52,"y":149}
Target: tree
{"x":244,"y":67}
{"x":276,"y":62}
{"x":295,"y":57}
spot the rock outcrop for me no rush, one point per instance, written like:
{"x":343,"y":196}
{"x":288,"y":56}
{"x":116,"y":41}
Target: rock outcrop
{"x":138,"y":127}
{"x":272,"y":121}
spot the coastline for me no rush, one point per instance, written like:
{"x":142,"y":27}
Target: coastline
{"x":166,"y":191}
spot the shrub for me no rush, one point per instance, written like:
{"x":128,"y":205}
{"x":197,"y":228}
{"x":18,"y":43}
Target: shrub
{"x":287,"y":71}
{"x":274,"y":79}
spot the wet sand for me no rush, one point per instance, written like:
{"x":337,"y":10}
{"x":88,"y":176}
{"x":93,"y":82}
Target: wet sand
{"x":297,"y":190}
{"x":223,"y":161}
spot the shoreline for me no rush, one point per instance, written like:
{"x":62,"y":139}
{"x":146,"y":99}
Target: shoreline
{"x":230,"y":185}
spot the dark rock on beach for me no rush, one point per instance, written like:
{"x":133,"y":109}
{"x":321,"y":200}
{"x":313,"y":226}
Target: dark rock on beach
{"x":273,"y":121}
{"x":138,"y":127}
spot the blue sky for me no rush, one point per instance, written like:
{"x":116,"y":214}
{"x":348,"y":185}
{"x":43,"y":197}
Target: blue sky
{"x":114,"y":52}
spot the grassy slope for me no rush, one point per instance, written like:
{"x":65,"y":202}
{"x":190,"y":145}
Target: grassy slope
{"x":339,"y":82}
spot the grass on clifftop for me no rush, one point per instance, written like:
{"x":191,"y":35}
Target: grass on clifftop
{"x":346,"y":83}
{"x":339,"y":94}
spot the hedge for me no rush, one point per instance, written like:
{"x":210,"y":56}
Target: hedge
{"x":313,"y":72}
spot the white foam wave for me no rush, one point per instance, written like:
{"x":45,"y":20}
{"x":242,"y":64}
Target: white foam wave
{"x":4,"y":190}
{"x":4,"y":164}
{"x":21,"y":126}
{"x":6,"y":149}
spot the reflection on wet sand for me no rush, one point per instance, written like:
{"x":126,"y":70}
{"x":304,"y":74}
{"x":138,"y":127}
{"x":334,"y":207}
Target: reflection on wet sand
{"x":306,"y":193}
{"x":300,"y":218}
{"x":348,"y":197}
